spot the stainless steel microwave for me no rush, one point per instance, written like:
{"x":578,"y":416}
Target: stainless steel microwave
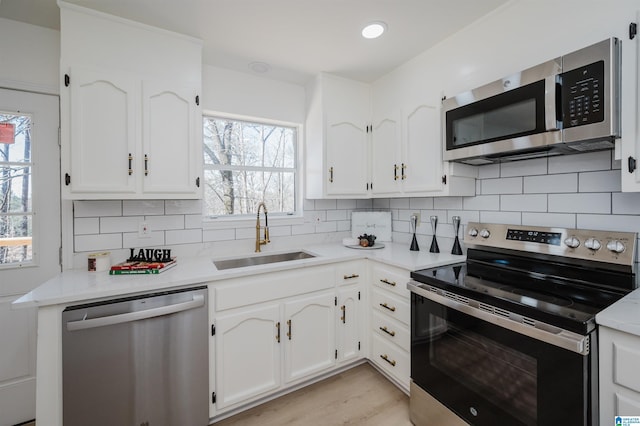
{"x":570,"y":104}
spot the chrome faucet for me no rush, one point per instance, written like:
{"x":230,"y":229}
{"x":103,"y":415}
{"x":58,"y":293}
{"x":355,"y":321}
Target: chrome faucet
{"x":266,"y":240}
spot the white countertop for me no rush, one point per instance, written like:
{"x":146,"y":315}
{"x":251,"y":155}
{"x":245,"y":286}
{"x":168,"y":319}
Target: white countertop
{"x":624,"y":315}
{"x":76,"y":286}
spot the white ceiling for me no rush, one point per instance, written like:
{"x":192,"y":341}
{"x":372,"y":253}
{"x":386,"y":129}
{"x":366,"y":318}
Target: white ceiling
{"x":297,"y":38}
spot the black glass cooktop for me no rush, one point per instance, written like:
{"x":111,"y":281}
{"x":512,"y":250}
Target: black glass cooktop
{"x":565,"y":296}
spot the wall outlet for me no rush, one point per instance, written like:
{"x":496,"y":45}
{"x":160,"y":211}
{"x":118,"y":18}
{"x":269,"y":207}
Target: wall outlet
{"x":143,"y":230}
{"x":416,"y":214}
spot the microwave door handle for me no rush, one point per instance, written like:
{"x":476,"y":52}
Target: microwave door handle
{"x":552,"y":103}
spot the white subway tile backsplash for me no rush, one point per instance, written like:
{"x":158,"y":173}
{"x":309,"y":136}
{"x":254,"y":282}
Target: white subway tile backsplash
{"x":346,"y":204}
{"x":604,"y":181}
{"x":133,"y":240}
{"x":183,"y":236}
{"x":337,"y":215}
{"x":489,"y":171}
{"x":97,"y":242}
{"x":511,"y":218}
{"x":95,"y":208}
{"x":512,"y":185}
{"x":182,"y":207}
{"x":326,"y":227}
{"x":536,"y":166}
{"x":111,"y":225}
{"x":279,"y":231}
{"x":381,"y":203}
{"x":590,"y":161}
{"x":626,"y":203}
{"x":193,"y":221}
{"x":580,"y":203}
{"x":481,"y":202}
{"x":446,"y":203}
{"x":86,"y":225}
{"x":308,"y":205}
{"x":549,"y":184}
{"x":163,"y":223}
{"x":142,"y":207}
{"x":364,"y":204}
{"x":466,"y":216}
{"x":246,"y":233}
{"x":307,"y":228}
{"x":344,"y":225}
{"x":625,"y":223}
{"x":213,"y":235}
{"x":563,"y":220}
{"x":421,"y":203}
{"x":524,"y":203}
{"x":399,"y":203}
{"x":326,"y":204}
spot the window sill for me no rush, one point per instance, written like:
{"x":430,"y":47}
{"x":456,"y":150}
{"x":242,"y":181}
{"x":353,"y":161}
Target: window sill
{"x":228,"y":223}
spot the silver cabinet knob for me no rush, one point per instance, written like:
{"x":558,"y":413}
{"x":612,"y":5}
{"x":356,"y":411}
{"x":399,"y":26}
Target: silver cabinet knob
{"x":473,"y":232}
{"x":592,"y":244}
{"x":484,"y":233}
{"x":615,"y":246}
{"x":572,"y":242}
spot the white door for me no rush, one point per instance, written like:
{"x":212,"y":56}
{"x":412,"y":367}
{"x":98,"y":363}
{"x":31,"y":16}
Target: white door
{"x":29,"y":236}
{"x":349,"y":323}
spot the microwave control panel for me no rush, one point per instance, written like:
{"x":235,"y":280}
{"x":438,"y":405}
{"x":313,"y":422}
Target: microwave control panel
{"x":583,"y":95}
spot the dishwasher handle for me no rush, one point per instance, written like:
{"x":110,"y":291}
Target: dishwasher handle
{"x":198,"y":301}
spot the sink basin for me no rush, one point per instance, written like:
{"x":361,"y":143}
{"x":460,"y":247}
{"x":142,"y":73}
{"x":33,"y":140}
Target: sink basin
{"x":241,"y":262}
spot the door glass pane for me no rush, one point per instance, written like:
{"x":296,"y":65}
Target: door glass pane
{"x":16,"y":211}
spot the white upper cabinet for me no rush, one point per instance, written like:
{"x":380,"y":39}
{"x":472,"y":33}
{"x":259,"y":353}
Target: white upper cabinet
{"x":407,"y":147}
{"x":130,"y":126}
{"x":337,"y":141}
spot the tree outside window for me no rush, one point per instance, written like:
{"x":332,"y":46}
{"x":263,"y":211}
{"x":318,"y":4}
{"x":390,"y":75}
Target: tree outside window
{"x":16,"y":213}
{"x":246,"y":163}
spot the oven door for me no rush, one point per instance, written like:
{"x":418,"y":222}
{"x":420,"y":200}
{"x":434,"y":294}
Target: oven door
{"x":490,"y":375}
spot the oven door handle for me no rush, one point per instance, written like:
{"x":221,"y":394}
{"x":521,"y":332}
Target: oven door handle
{"x":541,"y":331}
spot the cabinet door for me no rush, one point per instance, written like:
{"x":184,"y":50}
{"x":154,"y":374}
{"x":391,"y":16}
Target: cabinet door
{"x":247,"y":354}
{"x":347,"y":158}
{"x":103,"y":118}
{"x":310,"y":335}
{"x":422,"y":153}
{"x":170,"y":139}
{"x":349,"y":323}
{"x":386,"y":173}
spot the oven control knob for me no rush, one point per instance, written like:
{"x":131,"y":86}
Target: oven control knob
{"x":572,"y":242}
{"x":592,"y":244}
{"x":473,"y":232}
{"x":484,"y":233}
{"x":616,"y":246}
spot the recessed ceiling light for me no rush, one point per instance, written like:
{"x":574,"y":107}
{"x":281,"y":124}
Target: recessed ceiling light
{"x":259,"y":67}
{"x":374,"y":30}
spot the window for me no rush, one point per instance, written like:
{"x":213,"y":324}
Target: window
{"x":16,"y":214}
{"x":246,"y":163}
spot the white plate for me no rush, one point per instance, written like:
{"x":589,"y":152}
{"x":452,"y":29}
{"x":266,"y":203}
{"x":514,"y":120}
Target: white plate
{"x":359,"y":247}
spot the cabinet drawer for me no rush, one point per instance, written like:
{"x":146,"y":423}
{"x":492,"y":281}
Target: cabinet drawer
{"x":392,"y":279}
{"x":391,"y":305}
{"x":391,"y":359}
{"x":391,"y":330}
{"x":350,"y":272}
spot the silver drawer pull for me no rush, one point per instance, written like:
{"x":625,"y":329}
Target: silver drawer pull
{"x":386,"y":281}
{"x":391,"y":308}
{"x":386,"y":330}
{"x":348,"y":277}
{"x":390,"y":361}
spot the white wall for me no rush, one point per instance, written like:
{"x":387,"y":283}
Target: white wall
{"x":245,"y":94}
{"x":29,"y":57}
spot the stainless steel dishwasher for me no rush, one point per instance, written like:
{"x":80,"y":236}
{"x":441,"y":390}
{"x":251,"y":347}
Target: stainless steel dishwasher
{"x":137,"y":361}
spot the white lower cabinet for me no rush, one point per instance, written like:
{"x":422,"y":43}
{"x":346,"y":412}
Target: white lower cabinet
{"x":619,"y":353}
{"x":276,"y":330}
{"x":390,"y":322}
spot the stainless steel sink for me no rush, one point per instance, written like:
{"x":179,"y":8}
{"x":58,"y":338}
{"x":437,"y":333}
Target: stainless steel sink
{"x":241,"y":262}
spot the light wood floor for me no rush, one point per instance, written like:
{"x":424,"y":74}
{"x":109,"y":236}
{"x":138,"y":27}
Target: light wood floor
{"x":359,"y":396}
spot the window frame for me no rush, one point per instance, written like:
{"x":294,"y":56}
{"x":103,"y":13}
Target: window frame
{"x":275,"y":218}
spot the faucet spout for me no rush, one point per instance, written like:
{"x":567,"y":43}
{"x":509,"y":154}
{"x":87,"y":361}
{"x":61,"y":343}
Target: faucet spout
{"x":261,"y":242}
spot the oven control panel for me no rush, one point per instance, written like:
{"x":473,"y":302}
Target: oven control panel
{"x":603,"y":246}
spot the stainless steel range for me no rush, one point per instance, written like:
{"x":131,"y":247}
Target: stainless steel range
{"x":509,"y":336}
